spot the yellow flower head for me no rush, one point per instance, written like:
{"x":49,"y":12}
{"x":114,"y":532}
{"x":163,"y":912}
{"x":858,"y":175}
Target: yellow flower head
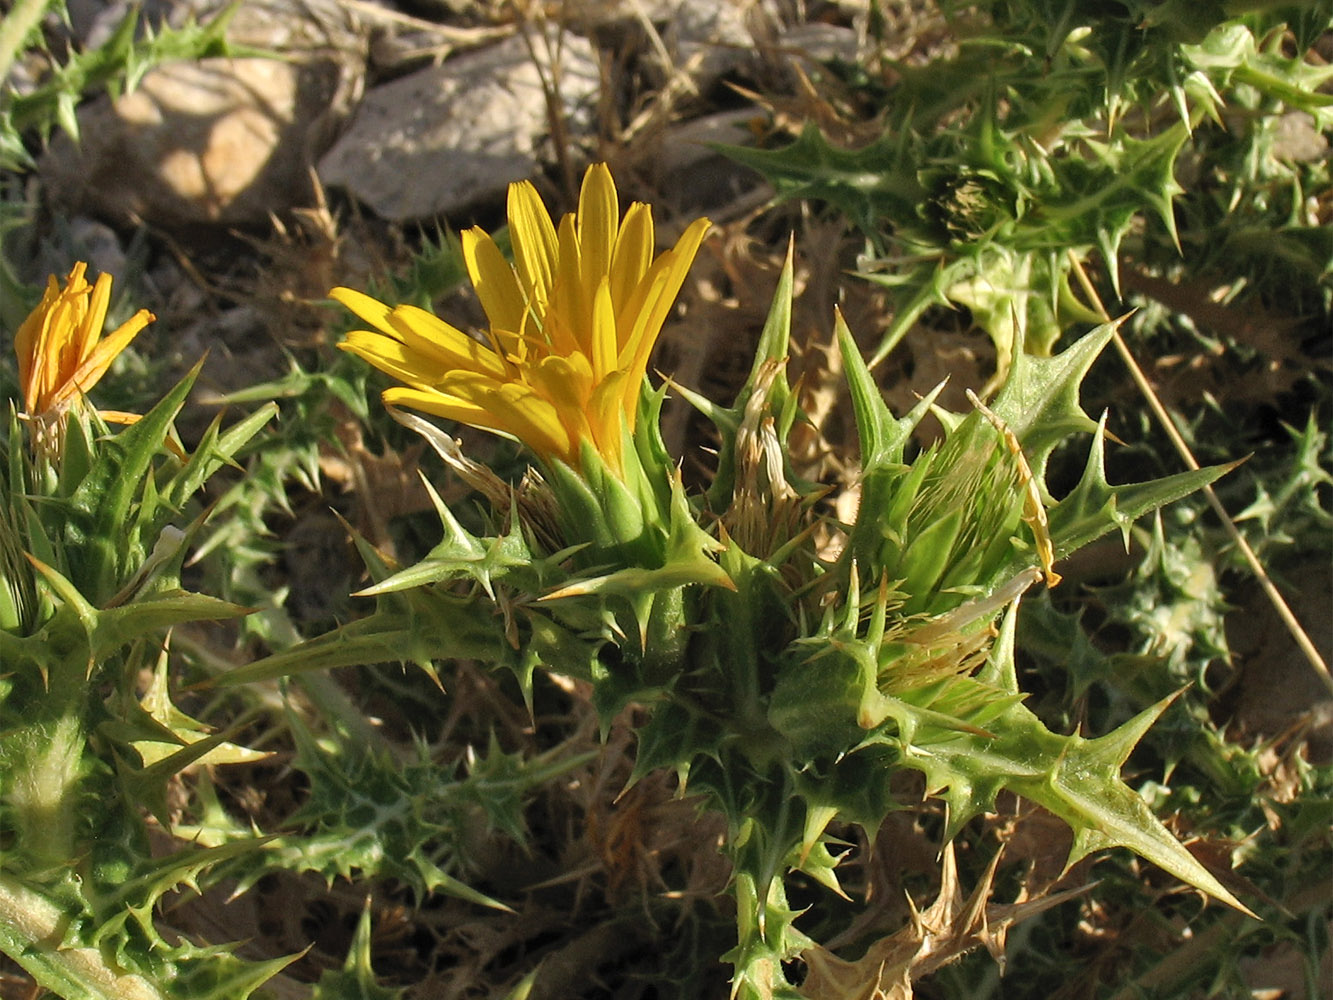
{"x":61,"y":351}
{"x":572,"y":323}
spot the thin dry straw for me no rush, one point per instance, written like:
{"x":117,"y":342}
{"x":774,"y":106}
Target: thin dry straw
{"x":1183,"y":449}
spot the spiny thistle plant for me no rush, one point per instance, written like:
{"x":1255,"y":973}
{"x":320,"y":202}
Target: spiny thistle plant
{"x":792,"y":665}
{"x":91,"y":549}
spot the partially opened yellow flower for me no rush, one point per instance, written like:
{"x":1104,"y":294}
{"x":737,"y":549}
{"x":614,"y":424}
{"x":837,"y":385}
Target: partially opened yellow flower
{"x":61,"y":351}
{"x":572,"y":324}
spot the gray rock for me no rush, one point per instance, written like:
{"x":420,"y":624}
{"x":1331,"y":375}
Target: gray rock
{"x":83,"y":239}
{"x":452,"y":135}
{"x":214,"y":141}
{"x":702,"y":40}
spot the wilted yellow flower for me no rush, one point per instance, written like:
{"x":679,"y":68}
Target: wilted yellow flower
{"x":61,"y":351}
{"x":572,"y":323}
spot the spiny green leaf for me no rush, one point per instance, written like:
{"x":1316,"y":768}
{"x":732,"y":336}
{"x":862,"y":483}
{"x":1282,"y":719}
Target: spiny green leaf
{"x":215,"y":450}
{"x":355,"y":980}
{"x":150,"y":614}
{"x":103,"y":498}
{"x":461,"y":554}
{"x":869,"y":185}
{"x":1039,"y":398}
{"x":216,"y":973}
{"x":767,"y":939}
{"x":433,"y":626}
{"x":1077,"y":779}
{"x":1094,"y":507}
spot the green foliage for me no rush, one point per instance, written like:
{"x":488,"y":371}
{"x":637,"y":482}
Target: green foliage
{"x":1045,"y":136}
{"x":285,"y":459}
{"x":90,"y":573}
{"x":355,"y":980}
{"x":370,"y":815}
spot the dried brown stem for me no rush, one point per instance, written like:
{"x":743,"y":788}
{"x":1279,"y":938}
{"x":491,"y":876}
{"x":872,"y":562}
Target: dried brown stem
{"x":1298,"y":633}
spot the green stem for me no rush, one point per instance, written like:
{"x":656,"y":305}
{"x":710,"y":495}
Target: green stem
{"x":31,"y":928}
{"x":16,"y":26}
{"x":44,"y":792}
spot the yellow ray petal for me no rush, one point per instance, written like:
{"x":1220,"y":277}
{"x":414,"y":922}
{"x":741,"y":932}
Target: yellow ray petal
{"x":598,"y":221}
{"x":607,"y":416}
{"x":442,"y":404}
{"x":544,"y":436}
{"x":429,"y":334}
{"x":373,"y":311}
{"x":392,"y":357}
{"x":516,"y":409}
{"x":533,"y":237}
{"x":633,"y":253}
{"x":653,"y":299}
{"x":566,"y":382}
{"x":567,"y":314}
{"x":572,"y":323}
{"x":604,"y":348}
{"x":494,"y":280}
{"x":443,"y":346}
{"x":484,"y":405}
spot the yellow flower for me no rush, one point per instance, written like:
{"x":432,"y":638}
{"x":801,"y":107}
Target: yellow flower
{"x":60,"y":348}
{"x":572,"y":323}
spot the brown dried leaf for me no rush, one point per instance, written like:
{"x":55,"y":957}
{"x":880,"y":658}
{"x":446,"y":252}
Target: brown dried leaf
{"x":949,"y":927}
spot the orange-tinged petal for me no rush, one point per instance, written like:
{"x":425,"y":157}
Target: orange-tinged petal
{"x":36,"y":362}
{"x":60,"y":347}
{"x":99,"y":359}
{"x":121,"y":417}
{"x":92,"y":323}
{"x":30,"y":333}
{"x":77,"y":282}
{"x":69,"y":321}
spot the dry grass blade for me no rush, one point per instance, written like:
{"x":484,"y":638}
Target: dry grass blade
{"x":1297,"y":631}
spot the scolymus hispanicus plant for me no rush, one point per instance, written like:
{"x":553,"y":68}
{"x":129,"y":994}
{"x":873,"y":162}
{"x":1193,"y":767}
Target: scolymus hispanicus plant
{"x":784,"y":684}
